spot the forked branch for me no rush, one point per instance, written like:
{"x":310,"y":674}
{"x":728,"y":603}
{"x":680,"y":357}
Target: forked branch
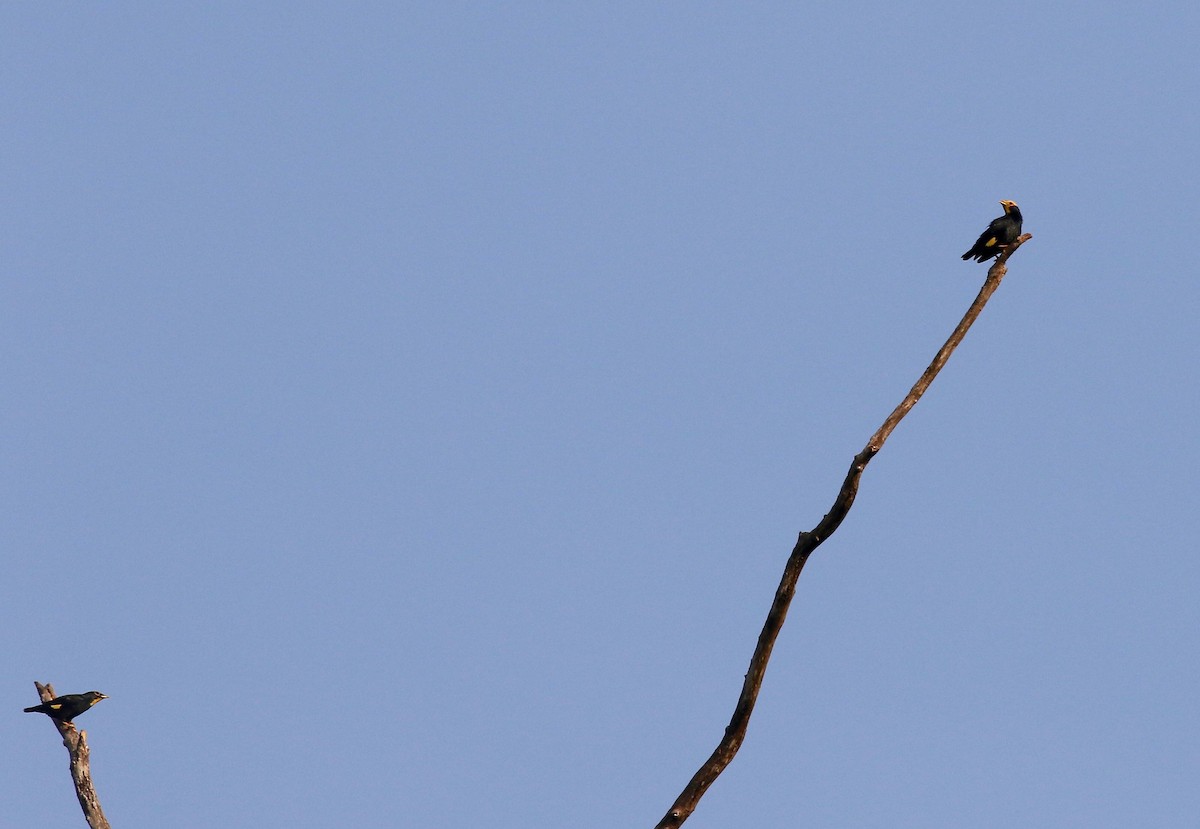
{"x":735,"y":732}
{"x":81,"y":771}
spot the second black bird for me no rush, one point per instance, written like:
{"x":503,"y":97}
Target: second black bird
{"x":68,"y":706}
{"x":1001,"y":232}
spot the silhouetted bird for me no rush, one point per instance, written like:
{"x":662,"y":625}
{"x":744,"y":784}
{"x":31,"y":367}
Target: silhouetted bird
{"x":68,"y":706}
{"x":1001,"y":232}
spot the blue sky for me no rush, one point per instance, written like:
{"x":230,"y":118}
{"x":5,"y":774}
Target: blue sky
{"x":409,"y":408}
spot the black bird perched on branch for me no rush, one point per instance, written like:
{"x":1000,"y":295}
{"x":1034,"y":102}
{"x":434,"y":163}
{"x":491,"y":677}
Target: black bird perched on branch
{"x":68,"y":706}
{"x":1001,"y":232}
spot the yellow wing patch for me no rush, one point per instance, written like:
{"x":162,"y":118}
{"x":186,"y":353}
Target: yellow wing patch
{"x":56,"y":707}
{"x":990,"y":242}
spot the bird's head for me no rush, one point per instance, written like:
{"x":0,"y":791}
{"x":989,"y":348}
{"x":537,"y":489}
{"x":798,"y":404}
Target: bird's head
{"x":95,"y":696}
{"x":1009,"y":206}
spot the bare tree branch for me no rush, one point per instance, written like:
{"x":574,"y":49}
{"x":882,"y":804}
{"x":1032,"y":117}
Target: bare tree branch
{"x":735,"y":732}
{"x":81,"y":772}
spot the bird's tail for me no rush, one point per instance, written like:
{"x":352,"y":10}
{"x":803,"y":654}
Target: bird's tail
{"x":37,"y":709}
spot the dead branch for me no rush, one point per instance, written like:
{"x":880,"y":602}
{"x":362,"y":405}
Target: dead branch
{"x":735,"y":732}
{"x":81,"y":772}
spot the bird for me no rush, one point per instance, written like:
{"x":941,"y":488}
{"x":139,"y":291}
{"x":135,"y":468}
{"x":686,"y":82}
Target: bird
{"x":999,"y":234}
{"x":68,"y":706}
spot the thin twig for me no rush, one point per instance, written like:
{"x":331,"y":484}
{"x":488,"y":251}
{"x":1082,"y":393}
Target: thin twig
{"x":735,"y":732}
{"x":81,"y":772}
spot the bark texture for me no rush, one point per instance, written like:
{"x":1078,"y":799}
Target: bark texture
{"x":735,"y":732}
{"x":81,"y":772}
